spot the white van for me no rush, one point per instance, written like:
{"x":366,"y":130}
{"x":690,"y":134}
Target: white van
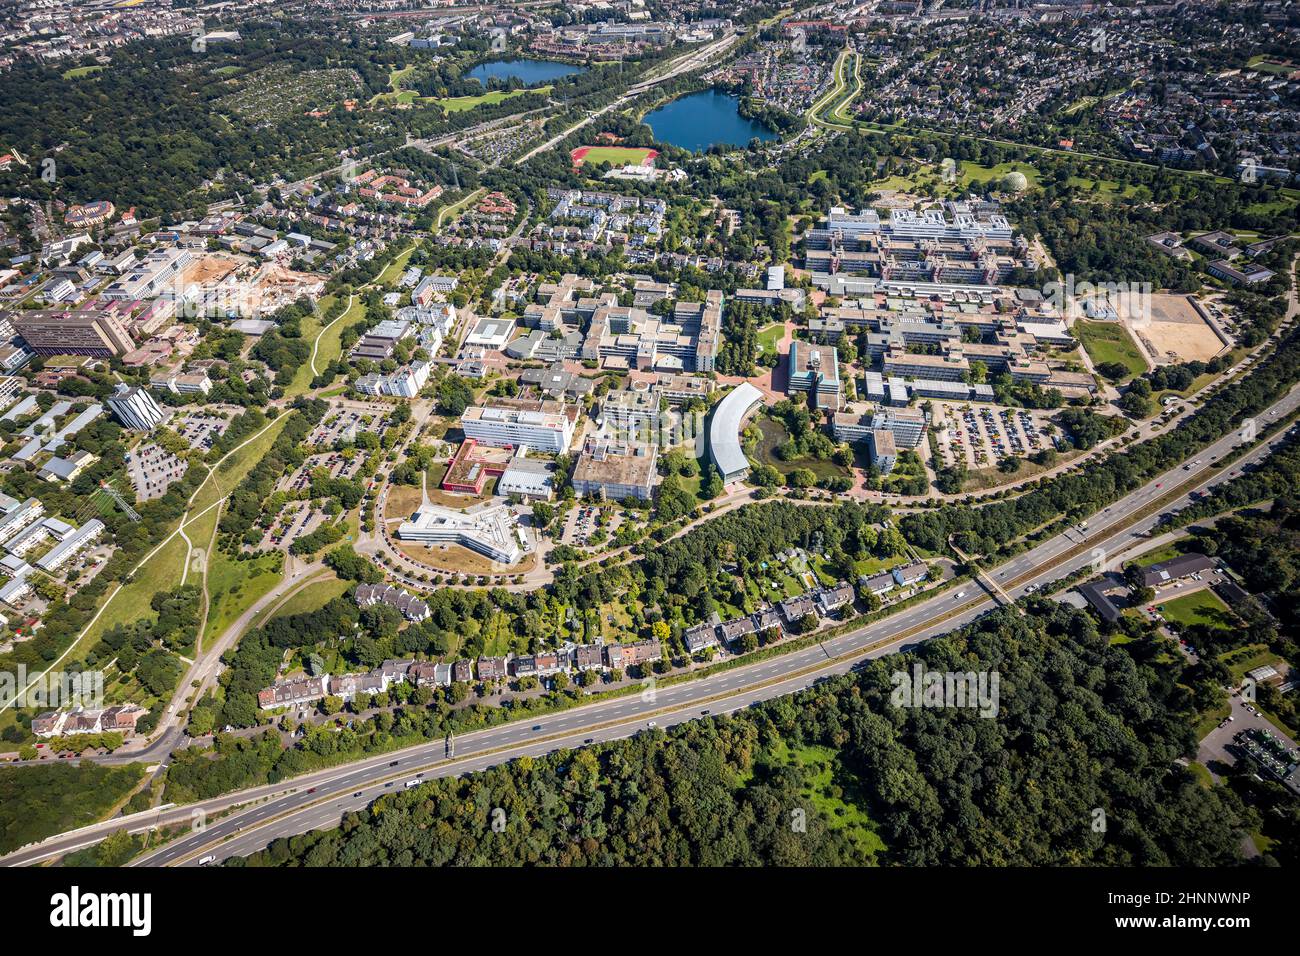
{"x":205,"y":860}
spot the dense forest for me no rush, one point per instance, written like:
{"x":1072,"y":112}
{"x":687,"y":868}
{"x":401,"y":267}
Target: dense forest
{"x":1078,"y":767}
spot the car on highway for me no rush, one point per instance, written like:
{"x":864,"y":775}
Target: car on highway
{"x":205,"y":860}
{"x":537,"y":726}
{"x":394,"y":763}
{"x":589,"y":740}
{"x":651,"y":724}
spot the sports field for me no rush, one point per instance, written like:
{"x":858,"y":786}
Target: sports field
{"x":614,"y":155}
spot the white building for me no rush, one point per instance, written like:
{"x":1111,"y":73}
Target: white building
{"x":540,"y":426}
{"x":492,"y":532}
{"x":65,"y":549}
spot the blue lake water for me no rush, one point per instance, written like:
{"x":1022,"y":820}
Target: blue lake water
{"x":530,"y":72}
{"x":708,"y":118}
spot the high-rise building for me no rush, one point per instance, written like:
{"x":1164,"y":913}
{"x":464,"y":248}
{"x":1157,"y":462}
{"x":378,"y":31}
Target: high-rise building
{"x":93,"y":332}
{"x":136,"y":409}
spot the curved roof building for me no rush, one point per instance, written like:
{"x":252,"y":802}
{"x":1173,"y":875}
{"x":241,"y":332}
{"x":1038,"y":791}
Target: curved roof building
{"x":724,"y":431}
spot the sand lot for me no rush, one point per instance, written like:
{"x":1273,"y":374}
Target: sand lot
{"x":1176,"y":332}
{"x":212,"y":267}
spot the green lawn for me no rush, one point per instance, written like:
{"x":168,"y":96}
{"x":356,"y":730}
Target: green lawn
{"x":1247,"y":658}
{"x":1266,"y":64}
{"x":80,"y":71}
{"x":459,"y":104}
{"x":1171,"y":550}
{"x":774,"y":435}
{"x":237,"y":467}
{"x":770,"y":337}
{"x":312,"y":597}
{"x":1110,"y":342}
{"x":330,"y":345}
{"x":974,"y":173}
{"x":234,"y":587}
{"x":1202,"y":607}
{"x":131,"y":603}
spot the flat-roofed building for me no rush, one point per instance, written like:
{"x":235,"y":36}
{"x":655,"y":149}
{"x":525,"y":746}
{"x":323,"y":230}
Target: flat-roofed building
{"x":93,"y":332}
{"x":815,"y":369}
{"x":884,"y":453}
{"x":527,"y":477}
{"x":907,"y":425}
{"x":491,"y":532}
{"x":616,"y":470}
{"x":542,"y":426}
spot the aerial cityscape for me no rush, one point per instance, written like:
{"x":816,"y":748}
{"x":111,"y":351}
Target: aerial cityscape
{"x":649,"y":434}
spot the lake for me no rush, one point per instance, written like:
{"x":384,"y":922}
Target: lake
{"x":708,"y":118}
{"x":530,"y":72}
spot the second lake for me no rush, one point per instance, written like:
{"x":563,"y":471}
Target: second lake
{"x":708,"y":118}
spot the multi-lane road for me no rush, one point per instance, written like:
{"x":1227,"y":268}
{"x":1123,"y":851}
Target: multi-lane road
{"x":240,"y":823}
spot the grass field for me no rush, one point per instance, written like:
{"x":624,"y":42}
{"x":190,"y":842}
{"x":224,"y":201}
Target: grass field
{"x":459,"y":104}
{"x":131,"y":603}
{"x":330,"y":345}
{"x":1171,"y":550}
{"x":236,"y":467}
{"x":1110,"y":342}
{"x":312,"y":597}
{"x":1245,"y":659}
{"x":78,"y":72}
{"x":1203,"y":607}
{"x":975,"y":173}
{"x":1266,"y":64}
{"x":770,"y":337}
{"x":234,"y":587}
{"x":1106,"y":189}
{"x":614,"y":155}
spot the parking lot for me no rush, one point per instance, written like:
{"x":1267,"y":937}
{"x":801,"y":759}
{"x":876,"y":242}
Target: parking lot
{"x":1219,"y":747}
{"x":584,"y":520}
{"x":979,"y":436}
{"x":342,"y":426}
{"x":297,"y":519}
{"x":333,"y":462}
{"x":201,"y":430}
{"x":152,"y":471}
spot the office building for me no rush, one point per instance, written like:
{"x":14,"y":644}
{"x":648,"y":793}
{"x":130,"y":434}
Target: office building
{"x":542,"y":426}
{"x":93,"y":332}
{"x":136,"y":409}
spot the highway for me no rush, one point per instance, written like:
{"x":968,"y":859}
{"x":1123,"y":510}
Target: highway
{"x":259,"y":815}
